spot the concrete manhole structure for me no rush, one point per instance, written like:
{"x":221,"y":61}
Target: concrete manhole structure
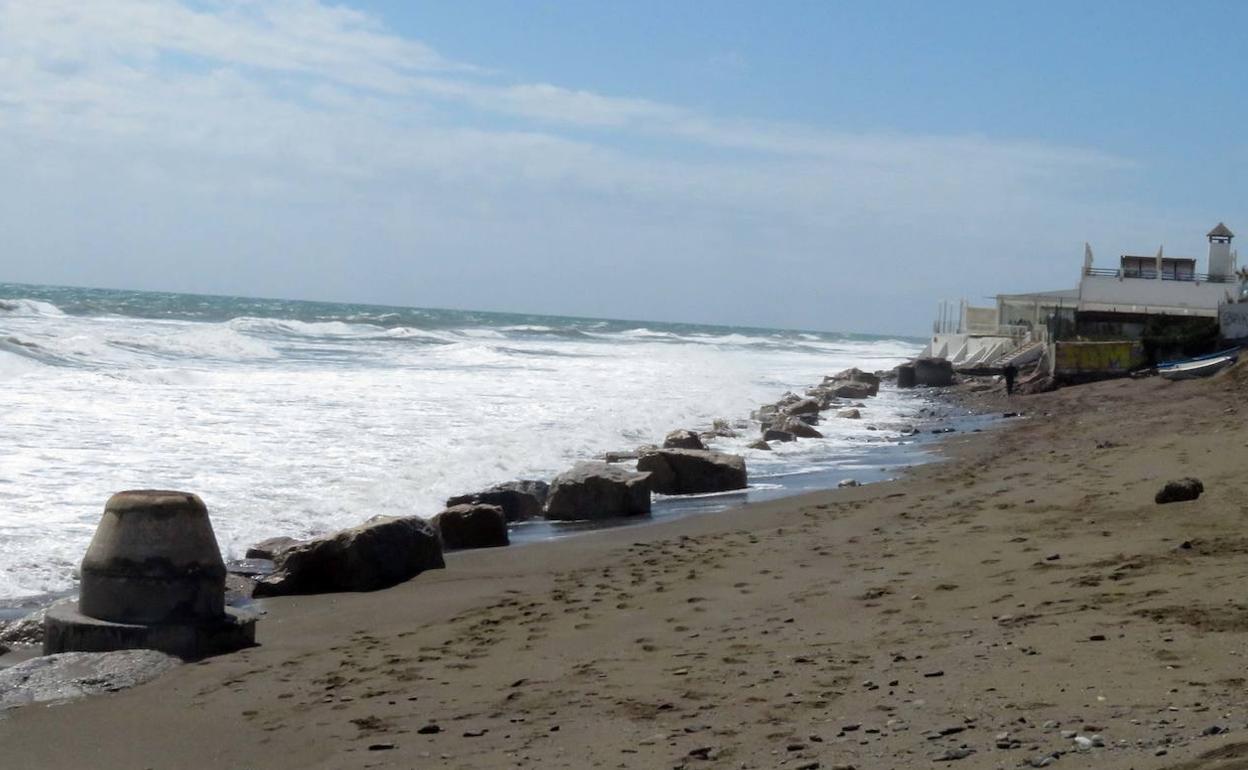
{"x":152,"y":578}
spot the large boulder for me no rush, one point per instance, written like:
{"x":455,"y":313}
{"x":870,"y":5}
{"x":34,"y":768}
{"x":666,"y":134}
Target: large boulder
{"x":1179,"y":491}
{"x":853,"y":383}
{"x":520,"y":500}
{"x":692,"y":471}
{"x":932,"y":372}
{"x":906,"y":376}
{"x":796,"y":427}
{"x":805,"y":406}
{"x":268,"y":549}
{"x":853,"y":390}
{"x":593,"y":490}
{"x":683,"y":439}
{"x":382,"y":552}
{"x":472,"y":525}
{"x":855,"y":374}
{"x":771,"y":434}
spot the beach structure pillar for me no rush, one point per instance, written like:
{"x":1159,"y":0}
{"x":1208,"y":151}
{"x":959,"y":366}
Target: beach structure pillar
{"x":152,"y":578}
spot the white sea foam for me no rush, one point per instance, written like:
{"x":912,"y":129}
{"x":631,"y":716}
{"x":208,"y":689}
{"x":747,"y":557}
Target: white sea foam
{"x":295,"y":427}
{"x":29,"y":307}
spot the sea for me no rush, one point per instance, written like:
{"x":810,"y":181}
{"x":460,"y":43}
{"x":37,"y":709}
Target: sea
{"x":297,"y":418}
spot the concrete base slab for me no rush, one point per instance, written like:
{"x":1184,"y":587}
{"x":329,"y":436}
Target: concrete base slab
{"x":68,"y":630}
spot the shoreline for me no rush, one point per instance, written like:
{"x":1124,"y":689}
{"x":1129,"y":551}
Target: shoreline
{"x":908,"y":451}
{"x":989,"y":610}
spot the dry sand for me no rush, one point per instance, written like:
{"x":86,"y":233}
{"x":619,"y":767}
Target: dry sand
{"x":967,"y":614}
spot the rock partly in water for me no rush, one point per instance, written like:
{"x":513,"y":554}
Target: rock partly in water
{"x":683,"y":439}
{"x":592,"y":490}
{"x":906,"y":376}
{"x":520,"y":500}
{"x":268,"y":549}
{"x":849,"y":414}
{"x":24,"y":632}
{"x":472,"y":526}
{"x":852,"y":389}
{"x":772,"y":434}
{"x":1179,"y":491}
{"x":760,"y":444}
{"x":805,"y":406}
{"x":692,"y":471}
{"x":855,"y":376}
{"x":723,"y":429}
{"x":848,"y":483}
{"x":71,"y":675}
{"x":382,"y":552}
{"x":626,"y":455}
{"x":796,"y":427}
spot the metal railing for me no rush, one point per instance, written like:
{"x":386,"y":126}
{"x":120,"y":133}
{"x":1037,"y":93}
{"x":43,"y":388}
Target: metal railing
{"x":1151,"y":275}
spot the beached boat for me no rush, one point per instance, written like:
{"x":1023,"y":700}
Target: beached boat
{"x":1200,"y":366}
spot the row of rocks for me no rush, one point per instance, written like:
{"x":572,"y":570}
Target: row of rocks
{"x":385,"y":551}
{"x":794,"y":417}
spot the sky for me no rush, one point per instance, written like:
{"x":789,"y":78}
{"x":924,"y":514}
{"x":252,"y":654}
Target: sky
{"x":817,"y":165}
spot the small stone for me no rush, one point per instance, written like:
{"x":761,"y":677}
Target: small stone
{"x":380,"y":746}
{"x":1179,"y":491}
{"x":429,"y":729}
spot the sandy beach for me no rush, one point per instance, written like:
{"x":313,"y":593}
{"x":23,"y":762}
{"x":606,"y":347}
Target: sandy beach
{"x":995,"y":609}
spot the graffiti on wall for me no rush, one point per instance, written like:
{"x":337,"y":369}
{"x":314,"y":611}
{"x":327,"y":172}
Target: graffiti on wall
{"x":1080,"y":358}
{"x":1234,"y":321}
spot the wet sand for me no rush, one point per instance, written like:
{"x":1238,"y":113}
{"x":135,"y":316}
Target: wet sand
{"x":967,"y":614}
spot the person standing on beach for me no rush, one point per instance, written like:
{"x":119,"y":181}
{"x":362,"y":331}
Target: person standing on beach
{"x":1010,"y":371}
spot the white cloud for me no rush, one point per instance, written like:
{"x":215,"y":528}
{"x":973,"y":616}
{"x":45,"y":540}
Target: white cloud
{"x":306,"y":109}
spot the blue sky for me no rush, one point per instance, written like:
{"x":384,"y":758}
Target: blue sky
{"x":823,"y":165}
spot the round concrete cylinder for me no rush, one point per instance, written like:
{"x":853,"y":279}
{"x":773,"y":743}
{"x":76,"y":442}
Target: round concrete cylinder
{"x":154,"y":559}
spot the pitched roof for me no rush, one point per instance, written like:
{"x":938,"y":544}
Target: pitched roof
{"x":1221,"y":231}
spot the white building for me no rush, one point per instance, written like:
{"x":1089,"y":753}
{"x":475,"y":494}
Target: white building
{"x":1107,"y":301}
{"x":1161,"y":285}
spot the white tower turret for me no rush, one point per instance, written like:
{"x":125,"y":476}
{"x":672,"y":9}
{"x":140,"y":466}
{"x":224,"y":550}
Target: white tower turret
{"x":1221,"y":260}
